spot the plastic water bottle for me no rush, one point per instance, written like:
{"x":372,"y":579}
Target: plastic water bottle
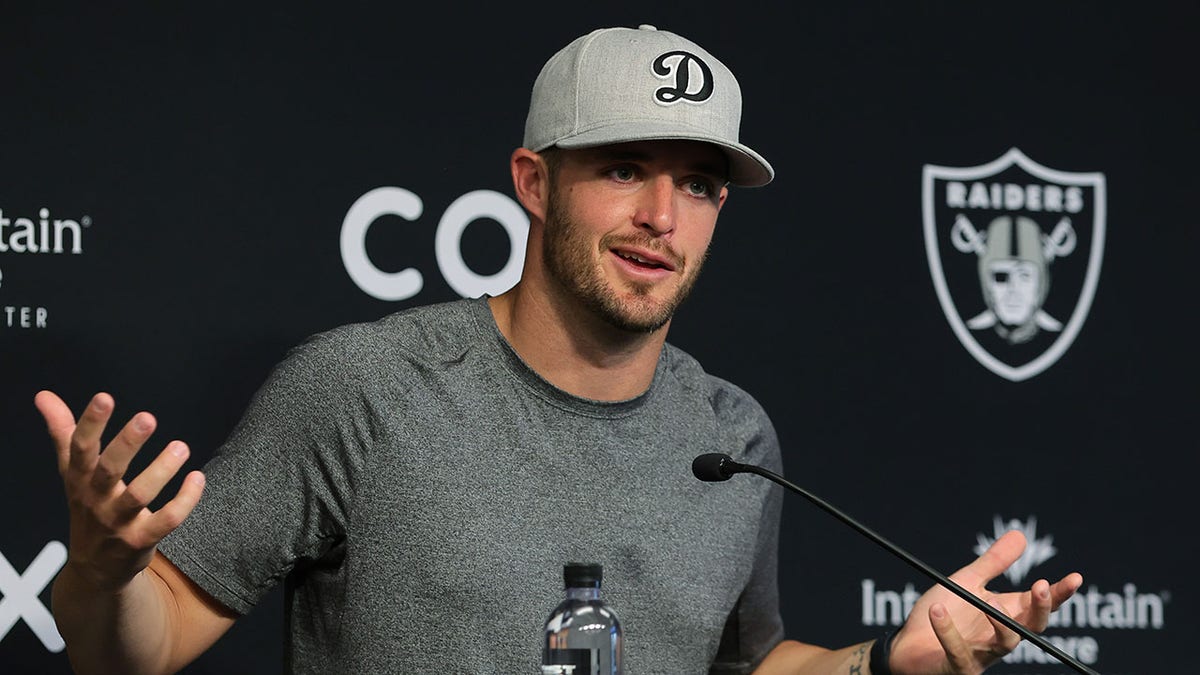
{"x":583,"y":636}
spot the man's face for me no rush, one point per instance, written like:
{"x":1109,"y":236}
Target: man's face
{"x":1013,"y":290}
{"x":628,"y":227}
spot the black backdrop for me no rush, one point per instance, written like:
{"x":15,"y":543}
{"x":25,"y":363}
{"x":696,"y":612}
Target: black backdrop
{"x":208,"y":159}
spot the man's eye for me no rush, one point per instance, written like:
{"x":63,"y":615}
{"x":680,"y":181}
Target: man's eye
{"x":699,"y":188}
{"x":623,"y":173}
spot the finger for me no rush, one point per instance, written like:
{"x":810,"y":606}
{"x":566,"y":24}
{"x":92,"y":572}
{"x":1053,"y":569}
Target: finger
{"x":958,"y":652}
{"x":1039,"y":606}
{"x":173,"y":513}
{"x":114,"y":461}
{"x":1006,"y":639}
{"x":85,"y":441}
{"x":143,"y":489}
{"x":60,"y":423}
{"x":1065,"y":588}
{"x":997,"y":558}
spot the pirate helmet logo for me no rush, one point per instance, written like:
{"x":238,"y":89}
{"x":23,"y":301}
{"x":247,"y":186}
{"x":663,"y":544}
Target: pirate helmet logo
{"x":1036,"y":219}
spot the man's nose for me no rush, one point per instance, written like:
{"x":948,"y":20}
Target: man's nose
{"x":656,"y":207}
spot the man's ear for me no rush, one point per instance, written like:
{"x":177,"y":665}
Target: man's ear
{"x":530,"y":181}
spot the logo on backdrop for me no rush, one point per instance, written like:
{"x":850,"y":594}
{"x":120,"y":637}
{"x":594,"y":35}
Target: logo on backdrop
{"x":1075,"y":623}
{"x":24,"y":240}
{"x":472,"y":206}
{"x":1037,"y":550}
{"x":1014,"y":250}
{"x":19,"y":595}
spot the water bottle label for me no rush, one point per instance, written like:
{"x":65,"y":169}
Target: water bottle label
{"x":569,"y":662}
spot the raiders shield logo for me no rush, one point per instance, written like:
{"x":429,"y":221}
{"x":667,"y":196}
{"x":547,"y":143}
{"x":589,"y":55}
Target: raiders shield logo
{"x":1014,"y":250}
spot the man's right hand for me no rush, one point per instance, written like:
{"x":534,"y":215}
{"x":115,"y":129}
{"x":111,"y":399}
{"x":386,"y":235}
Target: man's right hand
{"x":113,"y":534}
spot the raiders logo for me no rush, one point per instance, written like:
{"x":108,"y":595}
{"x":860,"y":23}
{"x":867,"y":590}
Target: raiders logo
{"x":1014,"y":250}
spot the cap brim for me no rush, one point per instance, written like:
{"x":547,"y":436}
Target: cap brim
{"x":747,"y":168}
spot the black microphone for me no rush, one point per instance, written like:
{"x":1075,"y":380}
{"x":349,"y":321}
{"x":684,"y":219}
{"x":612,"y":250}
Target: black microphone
{"x":715,"y":467}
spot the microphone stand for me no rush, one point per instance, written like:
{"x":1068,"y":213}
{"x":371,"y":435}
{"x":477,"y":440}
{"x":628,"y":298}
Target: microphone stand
{"x":727,"y":467}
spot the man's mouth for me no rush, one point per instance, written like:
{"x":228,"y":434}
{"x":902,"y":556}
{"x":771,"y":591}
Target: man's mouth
{"x":644,"y":260}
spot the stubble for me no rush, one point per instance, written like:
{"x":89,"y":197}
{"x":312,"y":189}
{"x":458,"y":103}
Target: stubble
{"x":572,"y":263}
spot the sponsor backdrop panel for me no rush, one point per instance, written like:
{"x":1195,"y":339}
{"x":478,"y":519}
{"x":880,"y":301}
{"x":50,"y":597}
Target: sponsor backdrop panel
{"x":966,"y":300}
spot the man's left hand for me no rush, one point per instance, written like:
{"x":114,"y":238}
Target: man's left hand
{"x":946,"y":634}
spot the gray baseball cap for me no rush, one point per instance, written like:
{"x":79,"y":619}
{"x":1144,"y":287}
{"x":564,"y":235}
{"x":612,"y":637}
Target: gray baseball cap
{"x":616,"y":85}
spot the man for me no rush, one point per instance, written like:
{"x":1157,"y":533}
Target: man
{"x":417,"y":482}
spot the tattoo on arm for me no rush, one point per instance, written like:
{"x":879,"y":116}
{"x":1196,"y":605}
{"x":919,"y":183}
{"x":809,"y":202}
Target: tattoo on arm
{"x":857,"y":667}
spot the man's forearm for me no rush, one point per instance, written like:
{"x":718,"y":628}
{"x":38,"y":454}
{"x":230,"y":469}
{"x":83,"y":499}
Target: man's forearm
{"x":124,"y":631}
{"x":796,"y":658}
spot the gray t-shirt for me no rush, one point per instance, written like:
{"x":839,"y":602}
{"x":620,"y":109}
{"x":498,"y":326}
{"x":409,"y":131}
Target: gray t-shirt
{"x":417,"y":488}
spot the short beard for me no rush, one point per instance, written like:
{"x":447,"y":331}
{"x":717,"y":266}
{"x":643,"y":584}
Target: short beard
{"x":570,"y":263}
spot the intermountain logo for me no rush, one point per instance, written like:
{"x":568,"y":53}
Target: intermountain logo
{"x":1037,"y":551}
{"x":41,"y":235}
{"x":23,"y":241}
{"x":997,"y":235}
{"x":1089,"y":610}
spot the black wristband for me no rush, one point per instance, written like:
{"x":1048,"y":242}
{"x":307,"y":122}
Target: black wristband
{"x":881,"y":653}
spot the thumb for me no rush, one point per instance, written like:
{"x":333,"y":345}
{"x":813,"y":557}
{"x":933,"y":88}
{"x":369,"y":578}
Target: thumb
{"x":60,"y":421}
{"x":997,"y":558}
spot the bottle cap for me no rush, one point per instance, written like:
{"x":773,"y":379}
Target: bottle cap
{"x":582,"y":575}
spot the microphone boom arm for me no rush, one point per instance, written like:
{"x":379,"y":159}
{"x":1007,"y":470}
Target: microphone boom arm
{"x":730,"y":466}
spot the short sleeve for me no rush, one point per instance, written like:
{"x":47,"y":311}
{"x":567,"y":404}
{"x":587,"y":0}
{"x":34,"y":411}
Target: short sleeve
{"x":278,"y":492}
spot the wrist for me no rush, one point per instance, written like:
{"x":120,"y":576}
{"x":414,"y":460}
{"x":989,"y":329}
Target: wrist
{"x":881,"y":654}
{"x":87,"y":578}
